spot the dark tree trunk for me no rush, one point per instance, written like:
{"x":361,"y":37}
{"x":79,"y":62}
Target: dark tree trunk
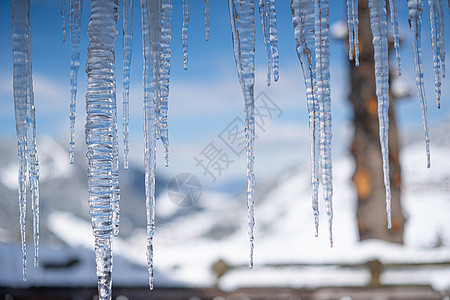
{"x":366,"y":150}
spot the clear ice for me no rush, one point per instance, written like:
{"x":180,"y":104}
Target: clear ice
{"x":100,"y":134}
{"x":304,"y":28}
{"x":206,"y":20}
{"x":378,"y":25}
{"x":63,"y":18}
{"x":25,"y":124}
{"x":322,"y":51}
{"x":435,"y":44}
{"x":242,"y":19}
{"x":75,"y":29}
{"x":184,"y":32}
{"x":415,"y":8}
{"x":395,"y":34}
{"x":127,"y":52}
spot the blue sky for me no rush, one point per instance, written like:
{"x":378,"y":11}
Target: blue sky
{"x":206,"y":98}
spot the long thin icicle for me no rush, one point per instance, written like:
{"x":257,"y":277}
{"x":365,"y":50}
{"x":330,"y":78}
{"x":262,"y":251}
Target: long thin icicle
{"x":25,"y":123}
{"x":263,"y":6}
{"x":100,"y":131}
{"x":355,"y":22}
{"x":322,"y":51}
{"x":434,"y":21}
{"x":164,"y":75}
{"x":242,"y":19}
{"x":440,"y":20}
{"x":304,"y":28}
{"x":273,"y":38}
{"x":394,"y":23}
{"x":415,"y":8}
{"x":206,"y":20}
{"x":63,"y":18}
{"x":75,"y":29}
{"x":350,"y":28}
{"x":184,"y":32}
{"x":150,"y":10}
{"x":378,"y":25}
{"x":127,"y":52}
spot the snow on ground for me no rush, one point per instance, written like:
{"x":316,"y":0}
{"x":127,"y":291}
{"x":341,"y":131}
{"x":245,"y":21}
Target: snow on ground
{"x":191,"y":240}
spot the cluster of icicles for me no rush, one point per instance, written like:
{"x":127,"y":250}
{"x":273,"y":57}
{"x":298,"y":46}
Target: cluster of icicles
{"x":311,"y":31}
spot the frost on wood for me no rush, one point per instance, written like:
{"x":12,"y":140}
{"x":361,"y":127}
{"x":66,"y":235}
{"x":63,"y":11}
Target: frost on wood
{"x":378,"y":25}
{"x":304,"y":24}
{"x":100,"y":134}
{"x":415,"y":8}
{"x":25,"y":123}
{"x":75,"y":28}
{"x":127,"y":52}
{"x":242,"y":20}
{"x":322,"y":89}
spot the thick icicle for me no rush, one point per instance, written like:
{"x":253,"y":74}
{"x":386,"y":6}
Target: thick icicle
{"x":184,"y":32}
{"x":100,"y":131}
{"x":263,"y":6}
{"x":273,"y":38}
{"x":75,"y":29}
{"x":395,"y":34}
{"x":127,"y":52}
{"x":322,"y":51}
{"x":115,"y":170}
{"x":63,"y":18}
{"x":206,"y":20}
{"x":378,"y":25}
{"x":25,"y":124}
{"x":415,"y":8}
{"x":242,"y":19}
{"x":164,"y":75}
{"x":303,"y":21}
{"x":434,"y":21}
{"x":150,"y":10}
{"x":355,"y":21}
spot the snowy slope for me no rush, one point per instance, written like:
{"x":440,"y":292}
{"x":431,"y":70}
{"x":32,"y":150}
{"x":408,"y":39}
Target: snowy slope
{"x":190,"y":240}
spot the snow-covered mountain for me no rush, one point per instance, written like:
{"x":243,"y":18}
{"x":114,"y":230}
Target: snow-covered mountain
{"x":189,"y":241}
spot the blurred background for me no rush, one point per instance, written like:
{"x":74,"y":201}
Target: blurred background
{"x":202,"y":249}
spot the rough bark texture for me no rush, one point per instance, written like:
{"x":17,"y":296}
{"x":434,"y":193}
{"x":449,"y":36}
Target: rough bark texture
{"x":368,"y":176}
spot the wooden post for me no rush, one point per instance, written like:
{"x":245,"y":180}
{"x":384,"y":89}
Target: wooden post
{"x":368,"y":176}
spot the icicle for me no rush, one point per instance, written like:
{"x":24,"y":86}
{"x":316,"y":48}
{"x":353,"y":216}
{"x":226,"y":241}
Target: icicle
{"x":115,"y":170}
{"x":164,"y":74}
{"x":75,"y":24}
{"x":394,"y":23}
{"x":21,"y":21}
{"x":242,"y":19}
{"x":355,"y":24}
{"x":150,"y":10}
{"x":63,"y":18}
{"x":100,"y":131}
{"x":322,"y":51}
{"x":415,"y":8}
{"x":263,"y":6}
{"x":350,"y":28}
{"x":127,"y":52}
{"x":380,"y":44}
{"x":206,"y":20}
{"x":440,"y":20}
{"x":273,"y":37}
{"x":303,"y":21}
{"x":184,"y":32}
{"x":436,"y":48}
